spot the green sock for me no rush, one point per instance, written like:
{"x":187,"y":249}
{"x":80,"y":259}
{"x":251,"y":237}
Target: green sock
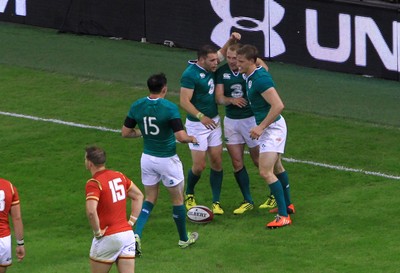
{"x":143,"y":217}
{"x":277,"y":191}
{"x":216,"y":184}
{"x":242,"y":178}
{"x":284,"y":178}
{"x":191,"y":182}
{"x":179,"y":215}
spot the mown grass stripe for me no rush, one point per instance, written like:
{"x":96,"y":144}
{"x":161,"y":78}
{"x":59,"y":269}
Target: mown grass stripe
{"x":292,"y":160}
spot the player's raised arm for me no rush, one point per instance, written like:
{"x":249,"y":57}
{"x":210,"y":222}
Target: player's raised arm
{"x":260,"y":62}
{"x":234,"y":38}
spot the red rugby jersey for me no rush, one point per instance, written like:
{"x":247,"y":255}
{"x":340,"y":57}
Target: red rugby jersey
{"x":110,"y":189}
{"x":8,"y":197}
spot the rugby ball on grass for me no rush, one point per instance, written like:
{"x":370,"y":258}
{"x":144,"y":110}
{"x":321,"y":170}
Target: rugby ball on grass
{"x":200,"y":214}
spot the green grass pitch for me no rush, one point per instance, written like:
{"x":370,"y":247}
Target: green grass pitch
{"x":342,"y":157}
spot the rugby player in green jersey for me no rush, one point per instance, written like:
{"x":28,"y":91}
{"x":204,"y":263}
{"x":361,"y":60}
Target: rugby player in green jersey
{"x":239,"y":119}
{"x":160,"y":125}
{"x":197,"y":98}
{"x":271,"y":131}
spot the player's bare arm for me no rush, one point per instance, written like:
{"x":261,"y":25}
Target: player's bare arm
{"x":223,"y":100}
{"x":186,"y":95}
{"x":91,"y":212}
{"x":277,"y":106}
{"x":260,"y":62}
{"x":183,"y":137}
{"x":180,"y":133}
{"x":234,"y":38}
{"x":18,"y":231}
{"x":130,"y":132}
{"x":136,"y":196}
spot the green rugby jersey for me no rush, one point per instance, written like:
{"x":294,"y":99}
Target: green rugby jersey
{"x":234,"y":87}
{"x":256,"y":83}
{"x":152,"y":117}
{"x":202,"y":82}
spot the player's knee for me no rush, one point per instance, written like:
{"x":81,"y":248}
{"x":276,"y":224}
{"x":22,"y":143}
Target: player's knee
{"x":237,"y":165}
{"x":255,"y":161}
{"x":197,"y":169}
{"x":267,"y":175}
{"x":278,"y":168}
{"x":216,"y":165}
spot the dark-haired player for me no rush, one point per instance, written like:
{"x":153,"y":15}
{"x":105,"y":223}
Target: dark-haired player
{"x":160,"y":125}
{"x":197,"y":98}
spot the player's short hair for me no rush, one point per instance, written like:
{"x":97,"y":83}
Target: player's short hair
{"x":156,"y":83}
{"x":235,"y":47}
{"x":95,"y":155}
{"x":205,"y":50}
{"x":250,"y":52}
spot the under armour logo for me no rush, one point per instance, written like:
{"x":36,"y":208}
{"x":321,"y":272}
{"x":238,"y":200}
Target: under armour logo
{"x":273,"y":15}
{"x":20,"y":7}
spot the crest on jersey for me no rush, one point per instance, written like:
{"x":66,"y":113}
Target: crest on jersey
{"x":249,"y":84}
{"x":226,"y":76}
{"x":202,"y":75}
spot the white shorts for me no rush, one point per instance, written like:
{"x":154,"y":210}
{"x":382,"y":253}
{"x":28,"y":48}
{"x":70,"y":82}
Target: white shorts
{"x":237,"y":131}
{"x":205,"y":137}
{"x":5,"y":251}
{"x":273,"y":138}
{"x":109,"y":248}
{"x":167,"y":169}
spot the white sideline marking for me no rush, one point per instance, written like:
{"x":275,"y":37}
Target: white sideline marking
{"x":73,"y":124}
{"x":100,"y":128}
{"x":341,"y":168}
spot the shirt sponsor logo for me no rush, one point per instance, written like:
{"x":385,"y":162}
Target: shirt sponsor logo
{"x":202,"y":75}
{"x":226,"y":76}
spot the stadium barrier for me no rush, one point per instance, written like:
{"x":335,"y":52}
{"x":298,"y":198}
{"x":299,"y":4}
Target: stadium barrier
{"x":353,"y":36}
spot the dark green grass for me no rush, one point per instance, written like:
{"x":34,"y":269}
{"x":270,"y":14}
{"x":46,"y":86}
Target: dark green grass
{"x":302,"y":89}
{"x":345,"y":221}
